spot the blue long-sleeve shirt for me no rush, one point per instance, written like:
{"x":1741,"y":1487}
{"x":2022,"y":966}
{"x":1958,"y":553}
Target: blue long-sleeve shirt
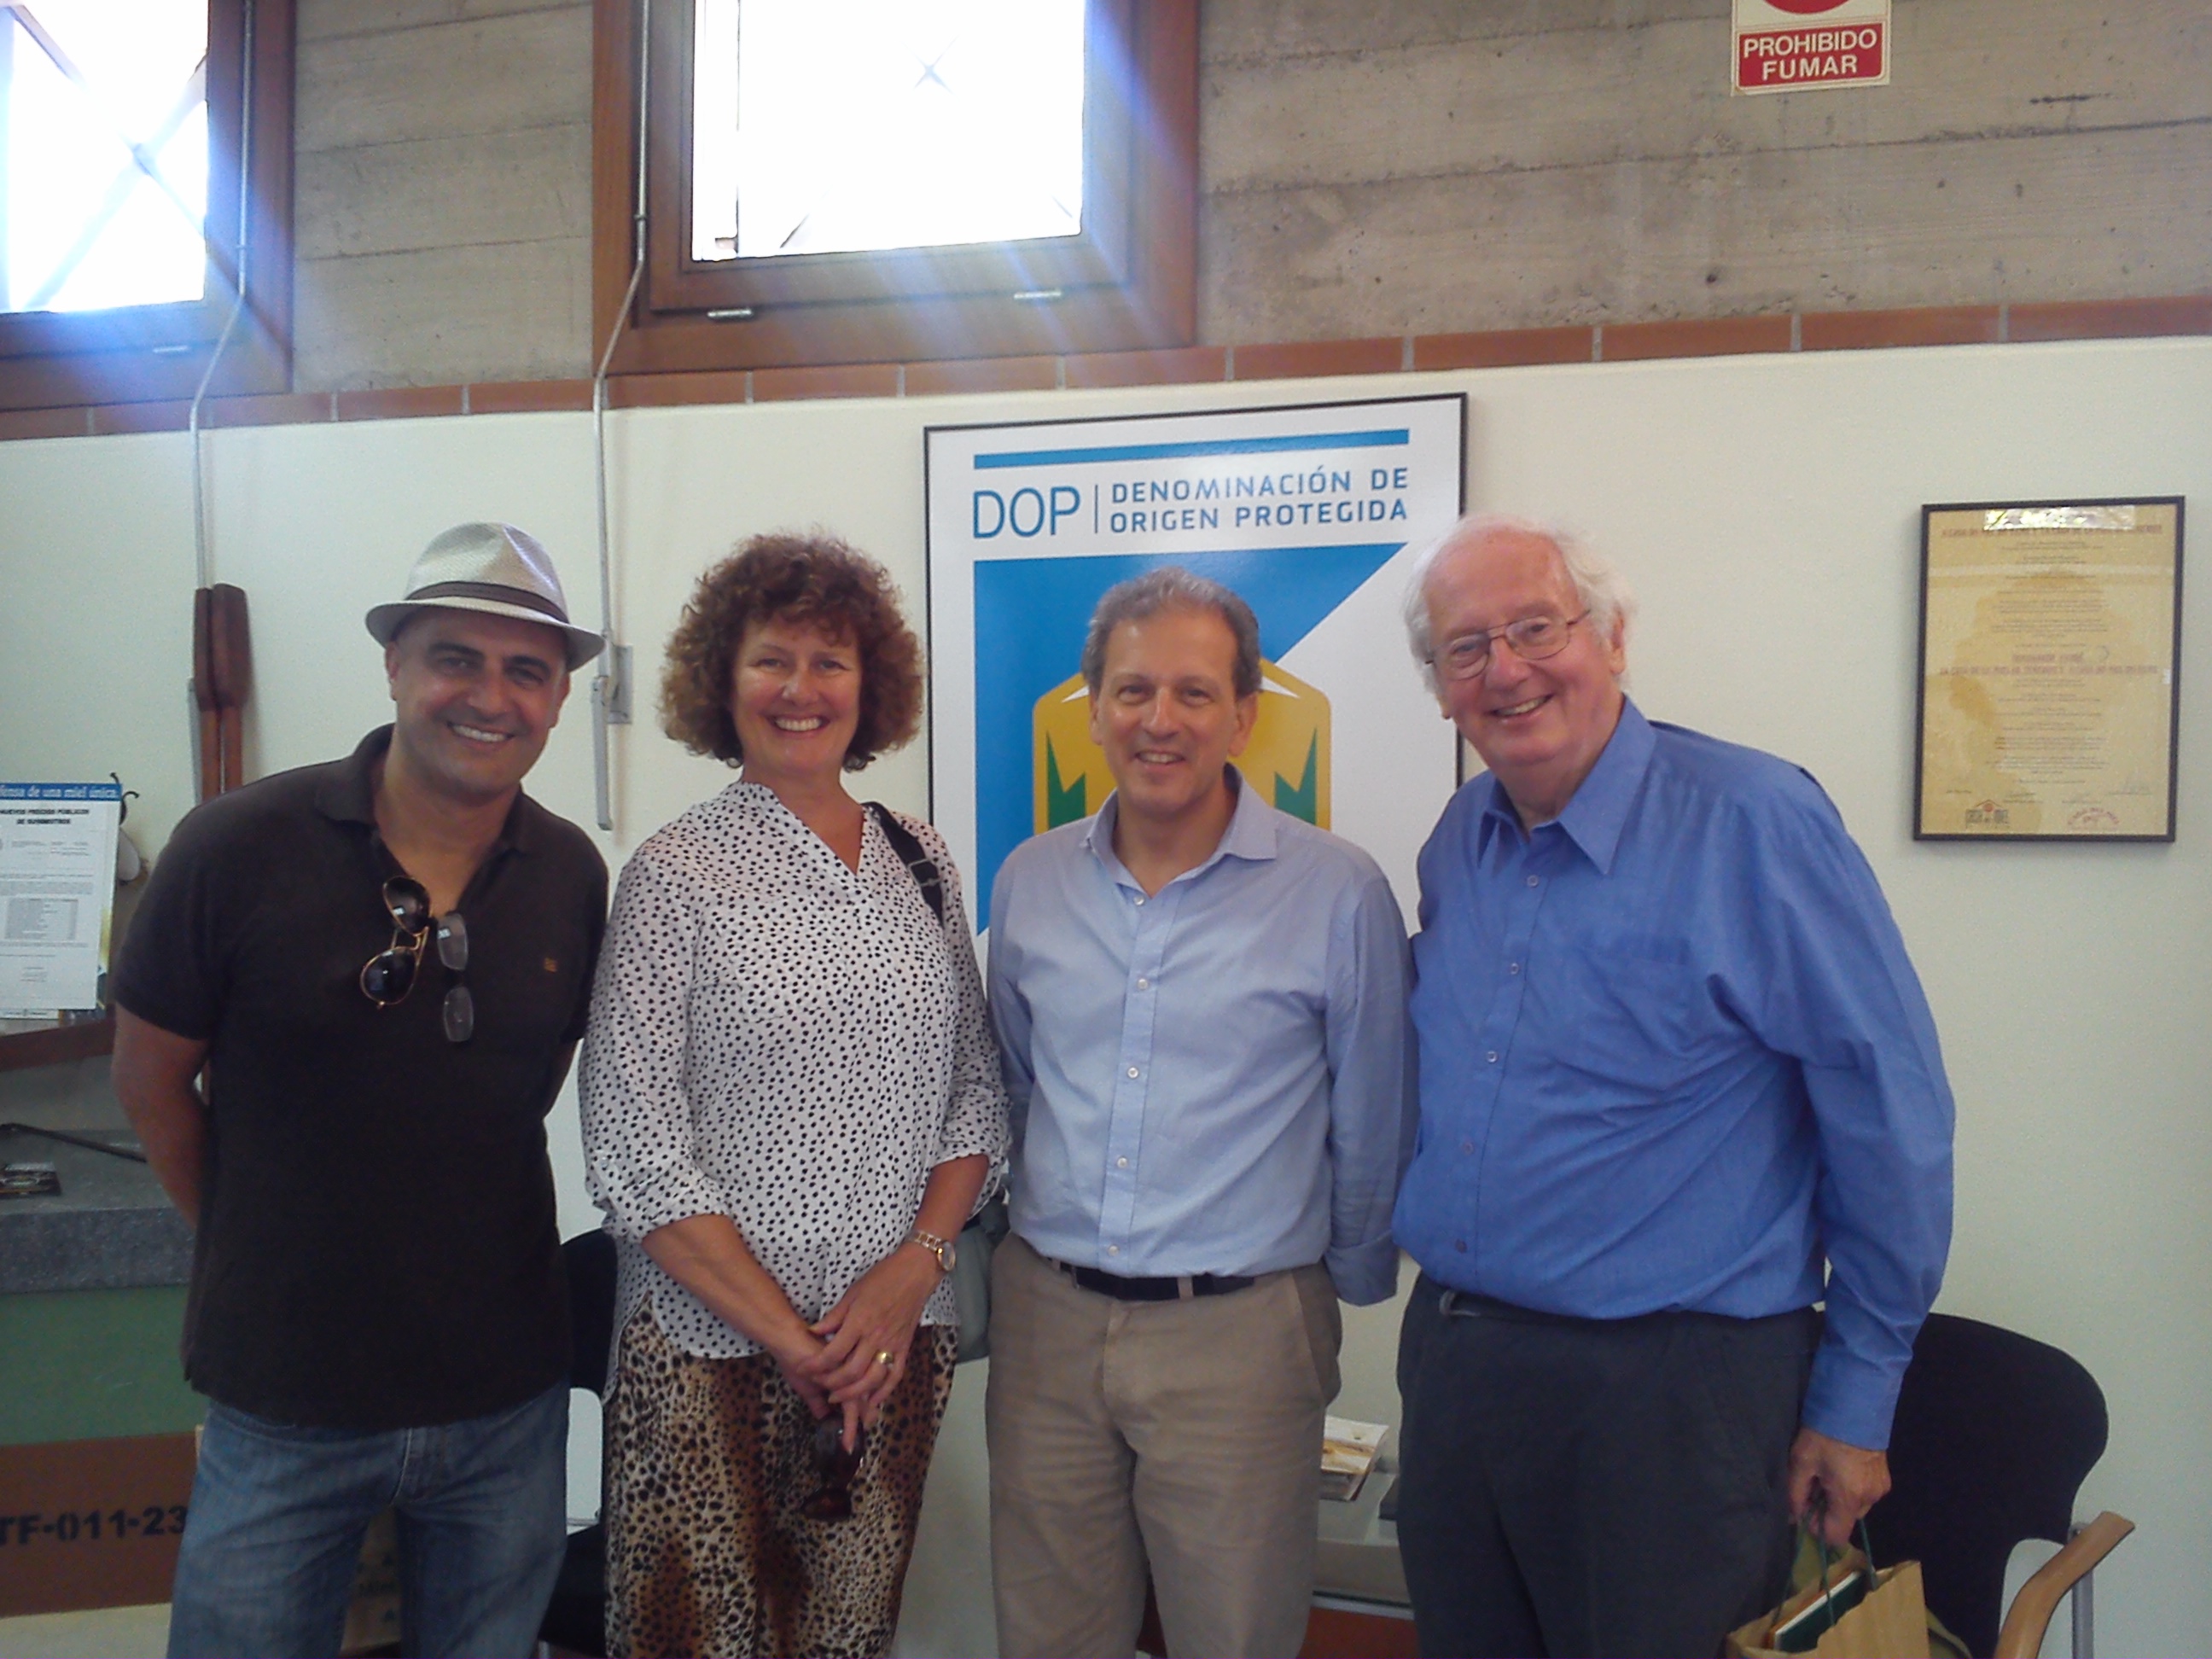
{"x":1672,"y":1054}
{"x":1215,"y":1079}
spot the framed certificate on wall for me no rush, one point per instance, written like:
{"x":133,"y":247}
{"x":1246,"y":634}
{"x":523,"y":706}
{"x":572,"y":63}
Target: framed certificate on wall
{"x":2050,"y":671}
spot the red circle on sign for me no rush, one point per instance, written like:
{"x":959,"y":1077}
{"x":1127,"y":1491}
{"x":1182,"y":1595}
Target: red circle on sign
{"x":1804,"y":8}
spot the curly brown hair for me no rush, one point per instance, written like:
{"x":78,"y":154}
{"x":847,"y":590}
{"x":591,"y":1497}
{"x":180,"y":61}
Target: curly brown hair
{"x":818,"y":579}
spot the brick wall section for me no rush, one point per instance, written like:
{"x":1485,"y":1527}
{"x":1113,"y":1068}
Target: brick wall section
{"x":1503,"y":348}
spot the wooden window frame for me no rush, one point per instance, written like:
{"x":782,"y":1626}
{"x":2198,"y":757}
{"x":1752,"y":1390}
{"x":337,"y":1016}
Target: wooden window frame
{"x":139,"y":353}
{"x":1130,"y":282}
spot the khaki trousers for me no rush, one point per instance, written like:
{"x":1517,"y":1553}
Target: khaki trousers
{"x":1184,"y":1436}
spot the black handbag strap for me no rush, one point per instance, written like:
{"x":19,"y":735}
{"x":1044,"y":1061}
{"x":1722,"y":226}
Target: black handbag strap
{"x":919,"y":864}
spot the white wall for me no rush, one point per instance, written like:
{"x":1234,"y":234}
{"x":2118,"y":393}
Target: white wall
{"x":1767,"y":509}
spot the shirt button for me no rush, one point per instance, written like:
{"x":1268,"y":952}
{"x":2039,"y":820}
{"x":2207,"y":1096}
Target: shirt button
{"x":1132,"y":1070}
{"x":1140,"y":897}
{"x":1144,"y":985}
{"x":1460,"y":1244}
{"x":1492,"y":1056}
{"x":1121,"y":1163}
{"x":1116,"y":1249}
{"x":1512,"y":967}
{"x":1466,"y":1146}
{"x":1532,"y":882}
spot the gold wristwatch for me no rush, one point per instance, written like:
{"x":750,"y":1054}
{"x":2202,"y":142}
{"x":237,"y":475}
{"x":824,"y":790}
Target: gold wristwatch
{"x":940,"y":1248}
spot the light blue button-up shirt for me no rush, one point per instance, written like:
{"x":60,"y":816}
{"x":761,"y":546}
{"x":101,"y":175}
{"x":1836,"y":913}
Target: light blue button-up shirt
{"x":1673,"y":1056}
{"x":1216,"y":1078}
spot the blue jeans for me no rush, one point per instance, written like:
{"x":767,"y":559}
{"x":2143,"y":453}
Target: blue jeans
{"x":278,"y":1514}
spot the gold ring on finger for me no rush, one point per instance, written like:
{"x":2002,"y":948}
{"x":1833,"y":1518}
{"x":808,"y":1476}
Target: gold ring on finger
{"x":883,"y":1357}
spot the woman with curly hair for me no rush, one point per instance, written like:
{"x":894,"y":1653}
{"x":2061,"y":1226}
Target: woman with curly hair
{"x":791,"y":1106}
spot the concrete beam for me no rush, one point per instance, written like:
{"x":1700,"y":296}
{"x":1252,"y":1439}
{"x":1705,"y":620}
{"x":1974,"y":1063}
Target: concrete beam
{"x":1258,"y":31}
{"x":2092,"y":215}
{"x":1567,"y":97}
{"x":517,"y":311}
{"x":529,"y":185}
{"x":528,"y":68}
{"x":332,"y":20}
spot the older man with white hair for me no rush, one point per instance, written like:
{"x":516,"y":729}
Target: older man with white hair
{"x":1679,"y":1085}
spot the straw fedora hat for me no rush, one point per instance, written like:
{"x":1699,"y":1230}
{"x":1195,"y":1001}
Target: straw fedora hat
{"x":494,"y":568}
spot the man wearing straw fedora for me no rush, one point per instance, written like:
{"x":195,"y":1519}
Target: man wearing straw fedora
{"x":343,"y":1011}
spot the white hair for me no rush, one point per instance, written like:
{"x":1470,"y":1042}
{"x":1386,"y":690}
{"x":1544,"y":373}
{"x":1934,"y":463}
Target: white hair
{"x":1599,"y":588}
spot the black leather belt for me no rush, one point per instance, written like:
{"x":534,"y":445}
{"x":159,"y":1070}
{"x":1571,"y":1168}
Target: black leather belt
{"x":1178,"y":1289}
{"x":1472,"y":1304}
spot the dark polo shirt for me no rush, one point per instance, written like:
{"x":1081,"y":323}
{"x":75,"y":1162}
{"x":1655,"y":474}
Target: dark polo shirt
{"x":378,"y":1246}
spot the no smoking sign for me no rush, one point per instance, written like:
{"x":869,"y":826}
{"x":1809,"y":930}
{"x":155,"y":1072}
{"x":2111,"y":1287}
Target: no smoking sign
{"x":1794,"y":45}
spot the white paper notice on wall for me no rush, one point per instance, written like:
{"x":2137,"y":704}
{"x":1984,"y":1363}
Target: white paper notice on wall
{"x":1799,"y":46}
{"x":57,"y":894}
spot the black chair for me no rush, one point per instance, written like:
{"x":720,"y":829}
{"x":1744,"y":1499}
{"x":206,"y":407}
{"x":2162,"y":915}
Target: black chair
{"x":576,"y":1618}
{"x":1994,"y":1434}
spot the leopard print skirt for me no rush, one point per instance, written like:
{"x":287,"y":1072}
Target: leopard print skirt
{"x":708,"y":1465}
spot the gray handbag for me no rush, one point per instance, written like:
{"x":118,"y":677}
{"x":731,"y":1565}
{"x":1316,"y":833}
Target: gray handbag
{"x":971,"y":1276}
{"x":971,"y":1252}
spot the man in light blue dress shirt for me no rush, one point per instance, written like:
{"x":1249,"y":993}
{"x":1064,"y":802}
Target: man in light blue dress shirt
{"x":1200,"y":1001}
{"x":1673,"y":1063}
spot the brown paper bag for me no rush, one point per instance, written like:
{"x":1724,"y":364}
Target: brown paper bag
{"x":1890,"y":1622}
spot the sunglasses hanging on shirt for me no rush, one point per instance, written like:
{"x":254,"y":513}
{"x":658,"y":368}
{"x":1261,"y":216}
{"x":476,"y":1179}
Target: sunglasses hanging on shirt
{"x":390,"y":975}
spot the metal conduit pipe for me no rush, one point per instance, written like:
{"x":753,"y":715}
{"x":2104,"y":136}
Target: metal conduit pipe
{"x":610,"y":687}
{"x":202,"y":564}
{"x":221,"y":654}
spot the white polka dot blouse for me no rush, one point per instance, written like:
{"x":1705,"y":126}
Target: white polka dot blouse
{"x":776,"y":1038}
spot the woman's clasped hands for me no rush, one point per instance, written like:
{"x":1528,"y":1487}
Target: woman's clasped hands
{"x":853,"y":1357}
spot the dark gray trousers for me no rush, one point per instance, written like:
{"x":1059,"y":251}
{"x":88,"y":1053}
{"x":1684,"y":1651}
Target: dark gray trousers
{"x":1593,"y":1486}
